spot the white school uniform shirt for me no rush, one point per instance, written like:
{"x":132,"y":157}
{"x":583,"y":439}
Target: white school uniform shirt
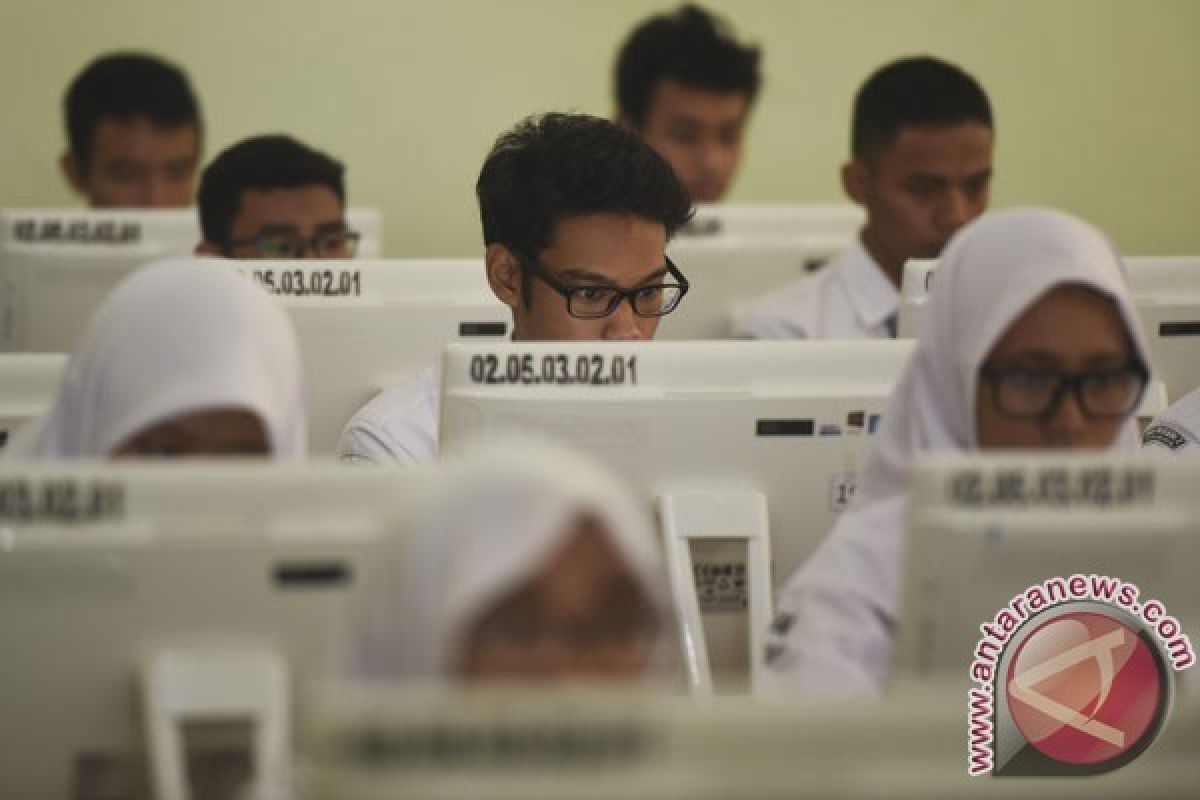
{"x":849,"y":298}
{"x":502,"y":507}
{"x":175,"y":337}
{"x":398,"y":426}
{"x":837,"y":615}
{"x":1178,"y":428}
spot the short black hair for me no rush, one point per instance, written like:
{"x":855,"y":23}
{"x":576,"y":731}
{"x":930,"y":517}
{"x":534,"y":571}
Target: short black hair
{"x":914,"y":92}
{"x":690,"y":46}
{"x":261,"y":163}
{"x":126,"y":86}
{"x":555,"y":166}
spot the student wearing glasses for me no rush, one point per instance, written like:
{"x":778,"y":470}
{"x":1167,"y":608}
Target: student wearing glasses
{"x":576,"y":215}
{"x":274,"y":197}
{"x":1032,"y":343}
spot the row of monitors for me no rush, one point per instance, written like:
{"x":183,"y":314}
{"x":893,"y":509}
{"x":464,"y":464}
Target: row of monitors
{"x":55,"y":266}
{"x":792,"y":419}
{"x":110,"y":618}
{"x":49,"y":288}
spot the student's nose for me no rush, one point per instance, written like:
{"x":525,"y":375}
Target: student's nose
{"x":1069,"y":421}
{"x":956,"y":211}
{"x":622,"y":324}
{"x":712,"y":157}
{"x":159,"y":192}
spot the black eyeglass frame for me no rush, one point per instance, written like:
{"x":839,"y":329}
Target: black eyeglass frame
{"x":532,"y":266}
{"x":1067,"y":383}
{"x":308,"y":245}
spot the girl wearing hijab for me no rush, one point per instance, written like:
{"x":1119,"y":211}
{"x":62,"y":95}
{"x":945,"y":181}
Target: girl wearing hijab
{"x":183,"y":358}
{"x":527,"y":562}
{"x":1032,"y":342}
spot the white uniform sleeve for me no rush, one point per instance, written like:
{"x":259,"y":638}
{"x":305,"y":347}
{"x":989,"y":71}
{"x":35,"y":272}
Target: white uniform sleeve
{"x":781,"y":314}
{"x":833,"y":634}
{"x":399,"y":426}
{"x":362,"y":444}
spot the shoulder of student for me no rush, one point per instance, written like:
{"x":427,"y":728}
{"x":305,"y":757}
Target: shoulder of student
{"x":398,"y":426}
{"x":788,"y":312}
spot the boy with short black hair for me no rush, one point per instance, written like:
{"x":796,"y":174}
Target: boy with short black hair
{"x":921,"y":165}
{"x":687,"y":86}
{"x":133,"y":133}
{"x":274,"y":197}
{"x":576,"y":216}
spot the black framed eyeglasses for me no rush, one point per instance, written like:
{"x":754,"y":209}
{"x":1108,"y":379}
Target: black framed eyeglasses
{"x":597,"y":301}
{"x":289,"y":244}
{"x":1101,"y":393}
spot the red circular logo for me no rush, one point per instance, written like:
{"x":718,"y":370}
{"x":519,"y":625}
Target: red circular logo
{"x":1084,"y":688}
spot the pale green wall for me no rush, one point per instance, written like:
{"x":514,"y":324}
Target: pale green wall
{"x":1098,"y":101}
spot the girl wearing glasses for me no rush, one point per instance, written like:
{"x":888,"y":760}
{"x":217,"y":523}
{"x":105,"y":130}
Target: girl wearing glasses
{"x":1031,"y":342}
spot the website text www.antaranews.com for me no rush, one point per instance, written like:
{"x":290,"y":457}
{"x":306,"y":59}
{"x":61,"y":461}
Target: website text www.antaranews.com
{"x":1036,"y":599}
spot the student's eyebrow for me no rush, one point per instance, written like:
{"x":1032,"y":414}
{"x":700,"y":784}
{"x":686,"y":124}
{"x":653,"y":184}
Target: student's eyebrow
{"x":587,"y":275}
{"x":278,"y":227}
{"x":982,"y":175}
{"x":332,"y":225}
{"x":1025,"y":357}
{"x":1042,"y":358}
{"x":1107,"y":359}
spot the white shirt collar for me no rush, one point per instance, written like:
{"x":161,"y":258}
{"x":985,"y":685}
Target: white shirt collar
{"x":872,"y":294}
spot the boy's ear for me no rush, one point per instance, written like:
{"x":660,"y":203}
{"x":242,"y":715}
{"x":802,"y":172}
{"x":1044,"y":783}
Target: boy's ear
{"x":504,"y":275}
{"x":855,"y":180}
{"x":72,"y":170}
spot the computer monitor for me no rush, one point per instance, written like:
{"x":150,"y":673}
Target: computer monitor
{"x":915,"y":287}
{"x":28,"y":382}
{"x":137,"y":601}
{"x":749,"y":446}
{"x":749,"y":221}
{"x":984,"y":529}
{"x":1149,"y":276}
{"x":365,"y":325}
{"x":733,"y":254}
{"x":368,"y":222}
{"x":172,"y":231}
{"x":1167,"y":292}
{"x":56,"y":265}
{"x":371,"y":743}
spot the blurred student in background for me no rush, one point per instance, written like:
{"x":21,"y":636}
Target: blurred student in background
{"x":576,"y":215}
{"x":134,"y":133}
{"x":921,"y":166}
{"x":687,"y":86}
{"x":1031,"y":342}
{"x":527,"y":563}
{"x":274,"y":197}
{"x":180,"y":360}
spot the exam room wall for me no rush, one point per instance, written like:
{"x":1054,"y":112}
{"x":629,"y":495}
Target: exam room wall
{"x":1098,"y":101}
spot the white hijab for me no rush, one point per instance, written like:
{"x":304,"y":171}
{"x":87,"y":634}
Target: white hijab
{"x":990,"y":274}
{"x":177,"y":336}
{"x":844,"y":601}
{"x":500,"y":510}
